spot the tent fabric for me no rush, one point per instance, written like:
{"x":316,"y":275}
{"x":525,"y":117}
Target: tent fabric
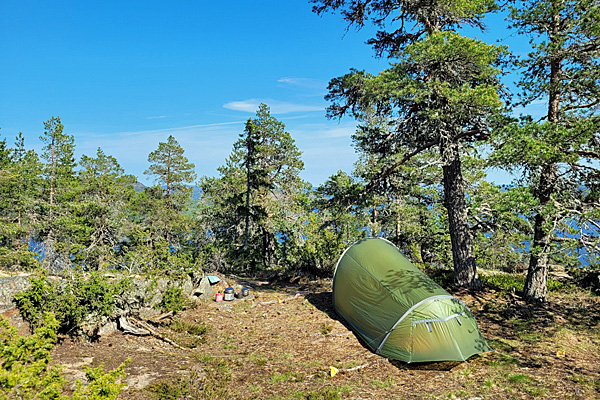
{"x":398,"y":311}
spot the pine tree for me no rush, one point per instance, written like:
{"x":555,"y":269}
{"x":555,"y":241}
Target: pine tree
{"x":161,"y":236}
{"x":254,"y":205}
{"x":440,"y":93}
{"x":557,"y":151}
{"x":102,"y":209}
{"x":57,"y":227}
{"x":170,"y":168}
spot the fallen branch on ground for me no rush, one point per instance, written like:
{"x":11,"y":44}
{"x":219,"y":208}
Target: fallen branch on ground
{"x":128,"y":328}
{"x":160,"y":317}
{"x":361,"y":366}
{"x":156,"y":334}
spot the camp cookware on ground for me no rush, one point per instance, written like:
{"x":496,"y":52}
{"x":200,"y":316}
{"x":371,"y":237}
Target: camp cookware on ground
{"x":228,"y":295}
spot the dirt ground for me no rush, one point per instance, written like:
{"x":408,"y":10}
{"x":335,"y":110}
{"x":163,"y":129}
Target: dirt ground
{"x":281,"y":342}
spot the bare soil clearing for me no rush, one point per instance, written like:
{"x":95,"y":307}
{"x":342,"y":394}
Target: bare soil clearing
{"x":283,"y":342}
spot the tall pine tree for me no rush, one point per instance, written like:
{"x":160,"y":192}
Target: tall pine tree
{"x":255,"y":204}
{"x":440,"y":93}
{"x":557,"y":151}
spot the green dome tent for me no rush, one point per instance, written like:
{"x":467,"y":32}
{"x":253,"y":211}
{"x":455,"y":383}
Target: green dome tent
{"x":398,"y":311}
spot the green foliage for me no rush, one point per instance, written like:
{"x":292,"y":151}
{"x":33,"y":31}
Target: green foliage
{"x":18,"y":260}
{"x":172,"y":299}
{"x":26,"y":372}
{"x":19,"y":188}
{"x":101,"y":207}
{"x":509,"y":282}
{"x":412,"y":20}
{"x":443,"y":277}
{"x":100,"y":385}
{"x":170,"y":167}
{"x":504,"y":282}
{"x":25,"y":361}
{"x":35,"y":302}
{"x":255,"y":210}
{"x":74,"y":302}
{"x":193,"y":329}
{"x":555,"y":152}
{"x":336,"y":221}
{"x":442,"y":92}
{"x":172,"y":389}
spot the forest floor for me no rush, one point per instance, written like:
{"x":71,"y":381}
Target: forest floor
{"x":281,"y":342}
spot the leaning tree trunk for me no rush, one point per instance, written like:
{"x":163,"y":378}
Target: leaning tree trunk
{"x":463,"y":255}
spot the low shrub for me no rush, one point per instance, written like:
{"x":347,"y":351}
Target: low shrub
{"x":26,"y":373}
{"x":172,"y":300}
{"x":503,"y":282}
{"x":73,"y":302}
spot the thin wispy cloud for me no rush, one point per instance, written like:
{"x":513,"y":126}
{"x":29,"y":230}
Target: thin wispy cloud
{"x":157,"y":117}
{"x":277,"y":107}
{"x":176,"y":129}
{"x":303,"y":82}
{"x":206,"y":145}
{"x":326,"y":146}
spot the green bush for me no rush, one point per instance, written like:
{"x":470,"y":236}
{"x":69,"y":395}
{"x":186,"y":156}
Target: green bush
{"x":171,"y":389}
{"x":74,"y":302}
{"x":100,"y":385}
{"x":26,"y":372}
{"x":443,"y":277}
{"x":36,"y":301}
{"x":186,"y":327}
{"x":172,"y":299}
{"x":18,"y":260}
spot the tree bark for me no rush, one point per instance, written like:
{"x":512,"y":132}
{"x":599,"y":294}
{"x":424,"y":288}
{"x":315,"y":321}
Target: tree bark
{"x":536,"y":284}
{"x":463,"y":255}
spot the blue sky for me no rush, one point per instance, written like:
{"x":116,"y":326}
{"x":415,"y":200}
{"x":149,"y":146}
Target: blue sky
{"x":124,"y":75}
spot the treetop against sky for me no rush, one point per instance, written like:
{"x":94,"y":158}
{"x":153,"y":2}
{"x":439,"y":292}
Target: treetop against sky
{"x":124,"y":76}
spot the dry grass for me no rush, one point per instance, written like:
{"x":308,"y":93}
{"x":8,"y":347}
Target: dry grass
{"x":284,"y":350}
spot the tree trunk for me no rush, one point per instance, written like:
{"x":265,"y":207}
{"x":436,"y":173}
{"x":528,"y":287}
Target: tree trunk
{"x":374,"y":220}
{"x":536,"y":288}
{"x":536,"y":284}
{"x":465,"y":270}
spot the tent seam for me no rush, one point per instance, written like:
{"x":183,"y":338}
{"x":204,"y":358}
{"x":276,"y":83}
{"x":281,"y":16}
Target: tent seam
{"x":414,"y":307}
{"x":455,"y":342}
